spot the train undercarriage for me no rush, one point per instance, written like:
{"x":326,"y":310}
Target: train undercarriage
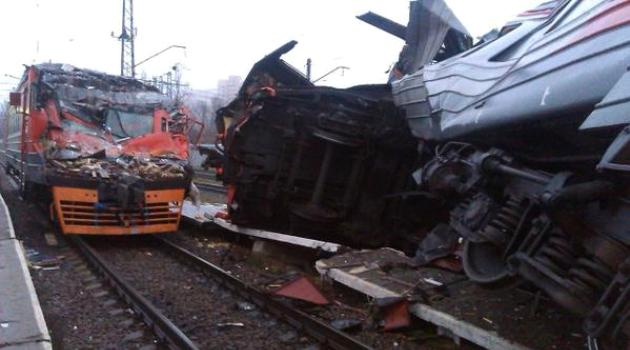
{"x":559,"y":231}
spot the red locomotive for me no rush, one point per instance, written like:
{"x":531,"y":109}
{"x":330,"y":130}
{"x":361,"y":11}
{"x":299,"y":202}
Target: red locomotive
{"x":108,"y":152}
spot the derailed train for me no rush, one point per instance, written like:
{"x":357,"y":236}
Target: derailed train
{"x":303,"y":152}
{"x":108,"y":153}
{"x":516,"y":149}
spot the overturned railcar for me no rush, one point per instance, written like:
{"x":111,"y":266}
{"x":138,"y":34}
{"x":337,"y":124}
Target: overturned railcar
{"x":315,"y":160}
{"x":529,"y":138}
{"x":109,"y":153}
{"x":333,"y":163}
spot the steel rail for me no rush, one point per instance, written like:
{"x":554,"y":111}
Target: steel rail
{"x":210,"y":187}
{"x":313,"y":327}
{"x":173,"y":337}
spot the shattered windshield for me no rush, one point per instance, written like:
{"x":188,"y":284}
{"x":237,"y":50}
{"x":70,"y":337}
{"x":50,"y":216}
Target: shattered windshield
{"x":71,"y":125}
{"x":86,"y":94}
{"x":128,"y":124}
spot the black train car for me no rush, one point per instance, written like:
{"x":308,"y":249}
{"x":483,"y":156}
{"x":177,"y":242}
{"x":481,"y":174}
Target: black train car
{"x":315,"y":160}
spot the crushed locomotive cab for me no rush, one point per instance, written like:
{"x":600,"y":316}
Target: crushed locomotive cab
{"x":111,"y":151}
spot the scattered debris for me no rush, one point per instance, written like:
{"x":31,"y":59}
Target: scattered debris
{"x":303,"y":289}
{"x":289,"y":336}
{"x":149,"y":168}
{"x":245,"y":306}
{"x":51,"y":239}
{"x":346,"y":324}
{"x":51,"y":268}
{"x":133,"y":336}
{"x":312,"y":347}
{"x":353,"y":309}
{"x":395,"y":313}
{"x":38,"y":261}
{"x":433,"y":282}
{"x":230,"y":324}
{"x":441,"y":242}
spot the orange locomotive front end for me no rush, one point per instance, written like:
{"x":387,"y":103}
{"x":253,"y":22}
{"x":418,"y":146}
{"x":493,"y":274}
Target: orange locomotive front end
{"x":79,"y":211}
{"x":108,"y":153}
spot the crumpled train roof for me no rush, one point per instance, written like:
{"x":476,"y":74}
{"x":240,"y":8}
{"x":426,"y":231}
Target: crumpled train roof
{"x":66,"y":74}
{"x":77,"y":89}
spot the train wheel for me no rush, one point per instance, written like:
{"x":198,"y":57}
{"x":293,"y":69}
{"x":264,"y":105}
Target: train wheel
{"x":484,"y":263}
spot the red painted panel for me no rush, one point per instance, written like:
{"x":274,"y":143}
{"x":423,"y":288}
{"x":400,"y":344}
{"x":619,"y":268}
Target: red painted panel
{"x":613,"y":15}
{"x":157,"y":144}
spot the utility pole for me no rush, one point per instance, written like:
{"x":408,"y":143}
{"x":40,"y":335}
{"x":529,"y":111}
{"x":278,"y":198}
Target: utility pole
{"x":309,"y":64}
{"x":177,"y":73}
{"x":169,"y":84}
{"x":127,"y":38}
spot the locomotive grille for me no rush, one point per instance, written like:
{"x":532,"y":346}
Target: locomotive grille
{"x":86,"y":213}
{"x":79,"y":212}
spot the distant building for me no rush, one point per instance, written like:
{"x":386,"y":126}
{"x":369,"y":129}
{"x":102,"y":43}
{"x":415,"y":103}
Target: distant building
{"x":228,"y":88}
{"x":205,"y":103}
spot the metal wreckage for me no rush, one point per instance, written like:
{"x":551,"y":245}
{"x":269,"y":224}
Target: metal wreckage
{"x":512,"y":153}
{"x":110,"y":153}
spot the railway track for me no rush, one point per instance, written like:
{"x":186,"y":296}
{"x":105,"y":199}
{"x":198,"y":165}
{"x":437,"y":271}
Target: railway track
{"x":166,"y":330}
{"x":322,"y":332}
{"x":203,"y":181}
{"x":169,"y":333}
{"x":173,"y":337}
{"x":210,"y":187}
{"x":200,"y":173}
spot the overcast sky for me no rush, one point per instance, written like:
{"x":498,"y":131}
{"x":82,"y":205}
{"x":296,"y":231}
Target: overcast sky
{"x":222,"y":37}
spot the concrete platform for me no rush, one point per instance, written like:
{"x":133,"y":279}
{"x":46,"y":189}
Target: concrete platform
{"x":22,"y":325}
{"x":493,"y":319}
{"x":205,"y":214}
